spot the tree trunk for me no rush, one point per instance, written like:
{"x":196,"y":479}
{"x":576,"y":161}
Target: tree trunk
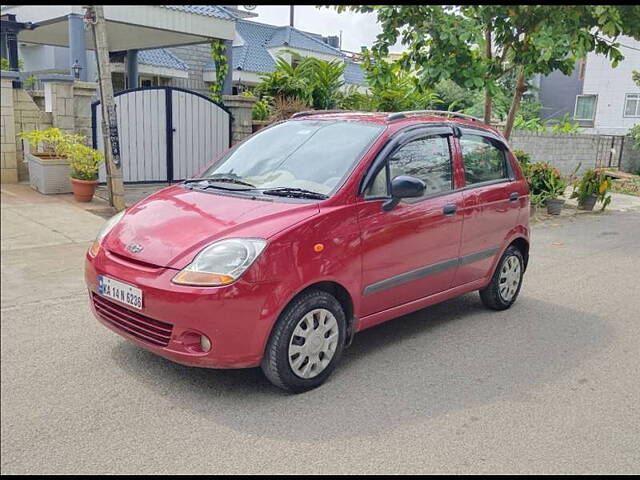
{"x":487,"y":95}
{"x":109,"y":121}
{"x":515,"y":103}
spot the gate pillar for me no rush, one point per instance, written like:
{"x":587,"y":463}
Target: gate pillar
{"x":241,"y":108}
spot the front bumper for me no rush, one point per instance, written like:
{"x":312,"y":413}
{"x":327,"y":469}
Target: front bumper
{"x":232,"y":316}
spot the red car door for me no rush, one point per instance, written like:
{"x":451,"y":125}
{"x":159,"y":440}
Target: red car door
{"x":411,"y":251}
{"x":491,"y":204}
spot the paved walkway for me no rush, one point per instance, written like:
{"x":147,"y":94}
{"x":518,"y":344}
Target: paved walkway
{"x":43,"y":239}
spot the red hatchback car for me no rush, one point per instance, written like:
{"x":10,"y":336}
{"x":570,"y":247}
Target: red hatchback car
{"x":309,"y":231}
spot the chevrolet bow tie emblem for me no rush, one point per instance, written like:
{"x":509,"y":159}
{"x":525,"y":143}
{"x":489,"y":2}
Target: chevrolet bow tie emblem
{"x":134,"y":247}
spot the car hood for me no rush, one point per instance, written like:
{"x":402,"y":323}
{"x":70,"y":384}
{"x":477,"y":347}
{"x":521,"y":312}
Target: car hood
{"x":171,"y":226}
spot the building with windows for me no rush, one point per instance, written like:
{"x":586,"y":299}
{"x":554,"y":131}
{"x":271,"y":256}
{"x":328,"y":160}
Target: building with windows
{"x":254,"y":50}
{"x":257,"y":46}
{"x":601,"y":99}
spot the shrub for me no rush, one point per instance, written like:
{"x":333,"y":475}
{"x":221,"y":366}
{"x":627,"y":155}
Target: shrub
{"x":283,"y":108}
{"x":564,"y":125}
{"x":261,"y":110}
{"x":593,"y":183}
{"x":51,"y":141}
{"x":544,"y":181}
{"x":635,"y":136}
{"x":30,"y":82}
{"x":84,"y":161}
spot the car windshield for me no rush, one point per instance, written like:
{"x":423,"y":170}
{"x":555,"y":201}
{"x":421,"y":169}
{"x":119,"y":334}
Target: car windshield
{"x":310,"y":155}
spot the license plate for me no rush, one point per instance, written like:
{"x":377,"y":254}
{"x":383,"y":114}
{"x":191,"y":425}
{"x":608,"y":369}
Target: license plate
{"x":120,"y":291}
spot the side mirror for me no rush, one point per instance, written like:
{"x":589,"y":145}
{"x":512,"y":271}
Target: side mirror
{"x":404,"y":186}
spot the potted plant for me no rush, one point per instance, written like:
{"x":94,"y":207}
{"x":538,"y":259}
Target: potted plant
{"x":261,"y":112}
{"x":84,"y":163}
{"x":555,"y":188}
{"x":47,"y":159}
{"x":591,"y":188}
{"x":545,"y":185}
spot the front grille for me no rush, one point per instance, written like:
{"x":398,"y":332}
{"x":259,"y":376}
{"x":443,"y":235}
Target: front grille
{"x":142,"y":327}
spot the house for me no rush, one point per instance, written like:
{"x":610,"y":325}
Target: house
{"x":601,"y":99}
{"x":60,"y":43}
{"x":257,"y":46}
{"x":253,"y":51}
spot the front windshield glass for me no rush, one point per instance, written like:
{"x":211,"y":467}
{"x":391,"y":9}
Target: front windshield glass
{"x":304,"y":154}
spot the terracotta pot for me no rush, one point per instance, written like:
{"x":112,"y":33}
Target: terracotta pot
{"x":588,"y":203}
{"x":83,"y":190}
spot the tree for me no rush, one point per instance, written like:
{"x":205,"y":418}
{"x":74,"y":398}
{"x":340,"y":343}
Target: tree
{"x":477,"y":45}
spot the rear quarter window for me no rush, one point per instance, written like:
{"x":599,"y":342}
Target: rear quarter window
{"x":483,"y":161}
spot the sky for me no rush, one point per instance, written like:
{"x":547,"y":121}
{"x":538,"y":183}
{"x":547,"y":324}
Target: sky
{"x":358,"y":29}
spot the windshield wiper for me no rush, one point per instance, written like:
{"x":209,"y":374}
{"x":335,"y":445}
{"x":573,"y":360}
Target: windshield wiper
{"x":220,"y":179}
{"x":294,"y":192}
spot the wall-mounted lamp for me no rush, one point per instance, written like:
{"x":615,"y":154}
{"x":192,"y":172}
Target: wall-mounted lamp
{"x":76,"y":69}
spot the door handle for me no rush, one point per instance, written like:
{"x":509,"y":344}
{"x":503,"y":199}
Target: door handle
{"x":514,"y":197}
{"x":449,"y":209}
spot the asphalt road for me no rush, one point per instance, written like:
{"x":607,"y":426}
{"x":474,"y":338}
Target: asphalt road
{"x":550,"y":386}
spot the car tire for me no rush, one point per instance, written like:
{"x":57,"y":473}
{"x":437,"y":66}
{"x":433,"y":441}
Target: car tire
{"x":501,"y":293}
{"x":292,"y":339}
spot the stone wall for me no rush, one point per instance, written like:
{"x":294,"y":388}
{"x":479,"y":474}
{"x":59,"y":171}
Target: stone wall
{"x":27,"y":116}
{"x":565,"y":151}
{"x":241,"y":108}
{"x":8,"y":163}
{"x":196,"y":57}
{"x":64,"y":104}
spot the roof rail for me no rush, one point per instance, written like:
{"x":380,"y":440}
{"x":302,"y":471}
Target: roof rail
{"x":399,"y":115}
{"x":308,"y":113}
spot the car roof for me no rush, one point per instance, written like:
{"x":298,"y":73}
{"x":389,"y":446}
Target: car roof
{"x":399,"y":120}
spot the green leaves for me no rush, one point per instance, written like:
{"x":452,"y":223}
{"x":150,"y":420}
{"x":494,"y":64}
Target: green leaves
{"x":309,"y":79}
{"x":447,"y":41}
{"x":84,"y":161}
{"x":218,"y":55}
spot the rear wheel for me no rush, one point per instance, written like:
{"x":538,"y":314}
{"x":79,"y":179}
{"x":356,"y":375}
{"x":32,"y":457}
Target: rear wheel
{"x":505,"y":284}
{"x":306,"y":342}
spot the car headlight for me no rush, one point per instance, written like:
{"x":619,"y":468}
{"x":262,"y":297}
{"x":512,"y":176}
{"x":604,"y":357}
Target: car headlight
{"x":106,"y":228}
{"x":221,"y":263}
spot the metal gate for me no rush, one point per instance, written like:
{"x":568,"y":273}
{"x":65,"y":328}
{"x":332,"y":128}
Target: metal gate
{"x":166,"y":133}
{"x":609,"y":150}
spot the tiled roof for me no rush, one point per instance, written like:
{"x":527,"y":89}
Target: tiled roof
{"x":288,"y":36}
{"x":354,"y":73}
{"x":161,"y":58}
{"x":218,"y":11}
{"x":253,"y":55}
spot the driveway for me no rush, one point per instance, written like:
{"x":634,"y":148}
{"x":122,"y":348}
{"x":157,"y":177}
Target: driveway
{"x":549,"y":386}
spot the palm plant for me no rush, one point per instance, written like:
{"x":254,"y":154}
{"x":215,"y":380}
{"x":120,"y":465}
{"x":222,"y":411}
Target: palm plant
{"x":395,"y":90}
{"x":286,"y":81}
{"x":326,"y":81}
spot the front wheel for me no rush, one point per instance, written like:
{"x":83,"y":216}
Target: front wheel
{"x":306,"y":342}
{"x":505,"y":284}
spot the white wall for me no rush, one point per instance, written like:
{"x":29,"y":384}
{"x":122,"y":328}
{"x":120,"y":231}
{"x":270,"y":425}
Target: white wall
{"x":50,"y":59}
{"x":611,"y":85}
